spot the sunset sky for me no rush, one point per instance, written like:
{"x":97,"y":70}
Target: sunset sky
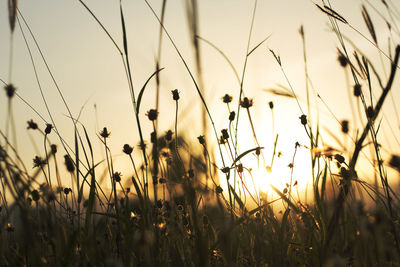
{"x":89,"y":70}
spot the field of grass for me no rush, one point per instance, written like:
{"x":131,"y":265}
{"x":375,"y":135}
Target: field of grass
{"x":194,"y":204}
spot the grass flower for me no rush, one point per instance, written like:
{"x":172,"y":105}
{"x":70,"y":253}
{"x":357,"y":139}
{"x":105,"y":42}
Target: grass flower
{"x":32,"y":125}
{"x":175,"y":94}
{"x":152,"y":114}
{"x":105,"y":133}
{"x":227,"y":99}
{"x":10,"y":90}
{"x":246,"y":102}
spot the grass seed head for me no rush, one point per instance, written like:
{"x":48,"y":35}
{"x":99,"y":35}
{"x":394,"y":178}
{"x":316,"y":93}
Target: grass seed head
{"x":10,"y":90}
{"x":342,"y":60}
{"x":48,"y":128}
{"x":395,"y":162}
{"x":38,"y":162}
{"x":32,"y":125}
{"x":202,"y":141}
{"x":168,"y":135}
{"x":227,"y":99}
{"x":232,"y":115}
{"x":246,"y":102}
{"x":53,"y":148}
{"x":225,"y":134}
{"x":152,"y":114}
{"x":127,"y":149}
{"x":357,"y":90}
{"x":117,"y":177}
{"x":175,"y":94}
{"x":105,"y":133}
{"x":345,"y":126}
{"x":69,"y":164}
{"x":303,"y":119}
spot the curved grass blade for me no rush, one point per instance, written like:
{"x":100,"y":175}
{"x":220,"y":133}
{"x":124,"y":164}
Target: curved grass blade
{"x":244,"y":154}
{"x":139,"y":100}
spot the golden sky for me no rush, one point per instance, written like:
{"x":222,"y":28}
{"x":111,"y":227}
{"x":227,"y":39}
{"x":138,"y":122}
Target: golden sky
{"x":89,"y":70}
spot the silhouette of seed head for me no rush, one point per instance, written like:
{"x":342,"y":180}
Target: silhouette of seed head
{"x":303,"y":119}
{"x":357,"y":90}
{"x":69,"y":164}
{"x":10,"y":90}
{"x":38,"y":162}
{"x":227,"y":98}
{"x":202,"y":141}
{"x":225,"y":134}
{"x":48,"y":128}
{"x":175,"y":94}
{"x":105,"y":133}
{"x":345,"y":126}
{"x":117,"y":177}
{"x":127,"y":149}
{"x":246,"y":102}
{"x":152,"y":114}
{"x":168,"y":135}
{"x":232,"y":115}
{"x":32,"y":125}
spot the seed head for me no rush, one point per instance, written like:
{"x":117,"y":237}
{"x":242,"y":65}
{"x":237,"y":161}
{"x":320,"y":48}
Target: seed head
{"x":303,"y":119}
{"x":10,"y":90}
{"x":342,"y":60}
{"x":271,"y":104}
{"x":67,"y":190}
{"x":38,"y":162}
{"x":175,"y":94}
{"x":127,"y":149}
{"x":69,"y":164}
{"x":168,"y":135}
{"x":395,"y":162}
{"x":152,"y":114}
{"x":48,"y":128}
{"x":32,"y":125}
{"x":357,"y":90}
{"x":345,"y":126}
{"x":227,"y":98}
{"x":339,"y":158}
{"x":202,"y":141}
{"x":53,"y":148}
{"x":232,"y":115}
{"x":225,"y":134}
{"x":246,"y":102}
{"x":117,"y":177}
{"x":105,"y":133}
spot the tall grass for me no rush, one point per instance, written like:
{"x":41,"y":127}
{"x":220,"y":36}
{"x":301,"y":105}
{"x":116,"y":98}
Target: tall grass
{"x":172,"y":210}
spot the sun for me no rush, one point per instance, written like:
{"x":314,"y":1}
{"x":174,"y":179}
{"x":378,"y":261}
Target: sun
{"x":290,"y":168}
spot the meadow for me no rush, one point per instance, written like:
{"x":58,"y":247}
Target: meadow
{"x":202,"y":200}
